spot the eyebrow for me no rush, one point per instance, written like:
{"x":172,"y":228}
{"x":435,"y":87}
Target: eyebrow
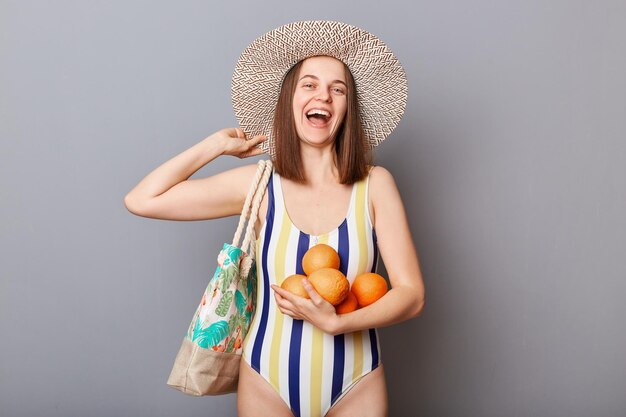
{"x":316,"y":78}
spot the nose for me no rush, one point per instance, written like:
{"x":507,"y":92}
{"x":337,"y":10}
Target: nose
{"x":324,"y":95}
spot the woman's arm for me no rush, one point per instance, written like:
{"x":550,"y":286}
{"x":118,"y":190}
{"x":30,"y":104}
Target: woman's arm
{"x":403,"y":301}
{"x":167,"y":193}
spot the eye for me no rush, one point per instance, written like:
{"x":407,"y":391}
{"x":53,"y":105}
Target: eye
{"x":338,"y":90}
{"x":307,"y":85}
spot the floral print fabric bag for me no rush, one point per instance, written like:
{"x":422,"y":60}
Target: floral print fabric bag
{"x":207,"y":362}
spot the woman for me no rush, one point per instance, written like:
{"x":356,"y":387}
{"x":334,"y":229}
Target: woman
{"x":300,"y":357}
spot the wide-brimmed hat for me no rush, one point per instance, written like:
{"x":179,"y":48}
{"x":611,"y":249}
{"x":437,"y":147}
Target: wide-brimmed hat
{"x":380,"y":79}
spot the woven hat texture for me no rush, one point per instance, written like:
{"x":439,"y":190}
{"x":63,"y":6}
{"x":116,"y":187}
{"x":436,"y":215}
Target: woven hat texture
{"x":380,"y":79}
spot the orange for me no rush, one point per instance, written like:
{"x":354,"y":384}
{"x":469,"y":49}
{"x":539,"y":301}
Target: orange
{"x":368,"y":288}
{"x":331,"y":284}
{"x":349,"y":304}
{"x":293,"y":284}
{"x":318,"y":257}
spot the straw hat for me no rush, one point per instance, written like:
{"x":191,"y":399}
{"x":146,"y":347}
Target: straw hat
{"x":380,"y":79}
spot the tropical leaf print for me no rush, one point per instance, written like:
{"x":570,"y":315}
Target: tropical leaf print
{"x":221,"y":258}
{"x":216,"y":324}
{"x":237,"y":323}
{"x":231,"y":345}
{"x":234,"y":253}
{"x":240,"y":302}
{"x":251,"y":279}
{"x":224,"y":304}
{"x":251,"y":284}
{"x":212,"y":335}
{"x":233,"y":322}
{"x":227,"y":276}
{"x":196,"y":323}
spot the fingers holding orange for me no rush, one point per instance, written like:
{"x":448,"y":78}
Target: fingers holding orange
{"x":321,"y":265}
{"x":293,"y":284}
{"x":283,"y":299}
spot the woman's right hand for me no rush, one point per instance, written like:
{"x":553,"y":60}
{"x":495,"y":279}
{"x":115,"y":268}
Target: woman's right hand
{"x":235,"y":143}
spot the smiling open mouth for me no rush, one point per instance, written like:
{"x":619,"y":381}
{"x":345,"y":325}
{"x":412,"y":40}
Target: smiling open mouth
{"x":318,"y":118}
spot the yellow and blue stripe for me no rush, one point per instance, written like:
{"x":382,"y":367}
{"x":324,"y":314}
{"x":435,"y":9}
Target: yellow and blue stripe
{"x":309,"y":369}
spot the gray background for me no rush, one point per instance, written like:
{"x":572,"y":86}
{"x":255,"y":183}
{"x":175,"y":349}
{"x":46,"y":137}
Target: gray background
{"x":510,"y":158}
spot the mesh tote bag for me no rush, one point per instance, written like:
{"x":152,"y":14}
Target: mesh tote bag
{"x":207,"y":362}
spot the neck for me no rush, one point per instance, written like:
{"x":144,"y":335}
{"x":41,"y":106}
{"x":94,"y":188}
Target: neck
{"x":319,"y":165}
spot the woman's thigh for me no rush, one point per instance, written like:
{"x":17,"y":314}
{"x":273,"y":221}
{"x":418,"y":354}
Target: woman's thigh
{"x":255,"y":395}
{"x":368,"y":398}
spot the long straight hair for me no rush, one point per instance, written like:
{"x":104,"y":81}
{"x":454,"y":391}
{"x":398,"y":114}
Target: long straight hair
{"x":352,"y":152}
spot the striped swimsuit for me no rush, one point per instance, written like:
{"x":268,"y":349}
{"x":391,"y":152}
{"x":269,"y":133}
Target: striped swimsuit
{"x":310,"y":370}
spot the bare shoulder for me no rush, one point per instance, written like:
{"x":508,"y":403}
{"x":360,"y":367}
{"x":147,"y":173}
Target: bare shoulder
{"x":228,"y":189}
{"x":242,"y":177}
{"x":383,"y":191}
{"x":382,"y":183}
{"x":235,"y":181}
{"x":380,"y":175}
{"x":239,"y":180}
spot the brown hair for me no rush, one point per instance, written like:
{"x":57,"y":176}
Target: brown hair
{"x":352,"y":152}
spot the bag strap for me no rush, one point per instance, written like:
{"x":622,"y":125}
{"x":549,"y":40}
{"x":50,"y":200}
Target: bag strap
{"x":250,"y":239}
{"x":252,"y":203}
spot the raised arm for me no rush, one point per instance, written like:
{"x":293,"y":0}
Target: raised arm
{"x":168,"y":193}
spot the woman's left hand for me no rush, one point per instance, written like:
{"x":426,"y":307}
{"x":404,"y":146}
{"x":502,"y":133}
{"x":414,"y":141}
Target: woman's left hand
{"x":315,"y":310}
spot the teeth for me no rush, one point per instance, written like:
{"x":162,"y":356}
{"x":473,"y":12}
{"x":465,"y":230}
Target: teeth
{"x":318,"y":111}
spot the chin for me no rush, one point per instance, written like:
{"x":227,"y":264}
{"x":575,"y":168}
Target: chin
{"x":318,"y":139}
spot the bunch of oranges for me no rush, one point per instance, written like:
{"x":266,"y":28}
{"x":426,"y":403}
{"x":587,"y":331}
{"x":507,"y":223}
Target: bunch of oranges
{"x":321,"y":266}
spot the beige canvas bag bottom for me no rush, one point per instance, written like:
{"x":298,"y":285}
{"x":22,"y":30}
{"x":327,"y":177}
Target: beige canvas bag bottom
{"x":198,"y":370}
